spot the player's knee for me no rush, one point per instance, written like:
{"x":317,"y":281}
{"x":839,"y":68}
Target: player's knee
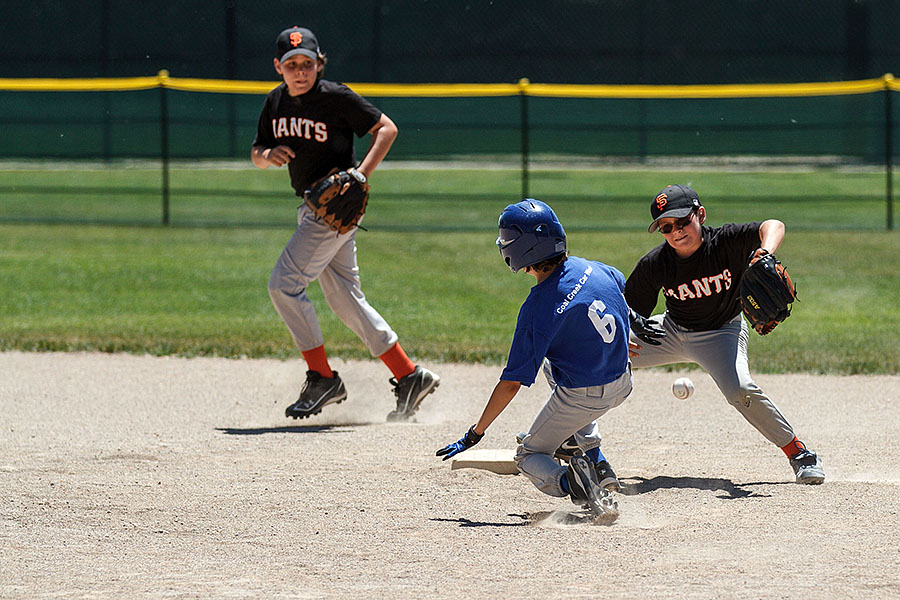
{"x":743,"y":396}
{"x":522,"y":457}
{"x":274,"y":287}
{"x":280,"y":288}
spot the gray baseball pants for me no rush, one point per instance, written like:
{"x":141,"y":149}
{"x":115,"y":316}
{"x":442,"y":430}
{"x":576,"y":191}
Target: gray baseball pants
{"x":723,"y":354}
{"x":315,"y":251}
{"x":567,"y":411}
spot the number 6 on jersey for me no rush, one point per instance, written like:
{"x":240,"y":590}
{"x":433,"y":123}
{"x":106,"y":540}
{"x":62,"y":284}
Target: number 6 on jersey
{"x":604,"y":324}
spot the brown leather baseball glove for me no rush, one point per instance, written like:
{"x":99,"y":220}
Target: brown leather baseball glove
{"x":340,"y":208}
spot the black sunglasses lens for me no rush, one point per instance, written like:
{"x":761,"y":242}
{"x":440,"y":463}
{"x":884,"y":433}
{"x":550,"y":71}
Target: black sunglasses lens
{"x":679,"y":224}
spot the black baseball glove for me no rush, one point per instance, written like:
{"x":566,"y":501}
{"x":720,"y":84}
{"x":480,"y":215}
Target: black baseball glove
{"x":645,"y":329}
{"x":338,"y":199}
{"x":767,"y":292}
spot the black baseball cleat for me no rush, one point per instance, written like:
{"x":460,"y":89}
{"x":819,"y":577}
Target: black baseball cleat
{"x":567,"y":450}
{"x":607,"y":477}
{"x":410,"y":392}
{"x":585,"y":490}
{"x":317,"y":393}
{"x":605,"y":474}
{"x":808,"y":468}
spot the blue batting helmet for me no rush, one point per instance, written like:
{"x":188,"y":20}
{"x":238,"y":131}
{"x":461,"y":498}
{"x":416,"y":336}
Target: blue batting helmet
{"x":529,"y":233}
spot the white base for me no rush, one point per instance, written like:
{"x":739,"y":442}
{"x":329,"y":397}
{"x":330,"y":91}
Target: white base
{"x":496,"y":461}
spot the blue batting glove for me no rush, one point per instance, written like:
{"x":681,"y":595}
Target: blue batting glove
{"x":464,"y":443}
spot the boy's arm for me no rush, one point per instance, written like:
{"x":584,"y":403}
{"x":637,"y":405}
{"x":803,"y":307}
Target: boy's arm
{"x":383,"y":133}
{"x":500,"y":398}
{"x":641,"y":292}
{"x":771,"y":234}
{"x":264,"y":157}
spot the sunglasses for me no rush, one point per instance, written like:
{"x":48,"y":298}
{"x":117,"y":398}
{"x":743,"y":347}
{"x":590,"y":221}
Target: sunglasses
{"x":679,"y":224}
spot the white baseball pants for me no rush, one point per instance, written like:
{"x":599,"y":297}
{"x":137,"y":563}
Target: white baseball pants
{"x":316,"y":252}
{"x":567,"y":411}
{"x":723,"y":354}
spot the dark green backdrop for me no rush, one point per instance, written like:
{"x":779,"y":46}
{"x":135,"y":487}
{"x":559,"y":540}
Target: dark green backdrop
{"x":127,"y":125}
{"x":484,"y":41}
{"x":573,"y":41}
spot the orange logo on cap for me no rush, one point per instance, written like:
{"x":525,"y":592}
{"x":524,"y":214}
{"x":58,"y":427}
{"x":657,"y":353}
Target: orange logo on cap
{"x":661,"y":201}
{"x":296,"y":38}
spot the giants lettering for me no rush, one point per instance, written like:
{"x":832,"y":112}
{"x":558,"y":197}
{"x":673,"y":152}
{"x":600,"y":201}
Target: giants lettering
{"x":299,"y":127}
{"x":699,"y":288}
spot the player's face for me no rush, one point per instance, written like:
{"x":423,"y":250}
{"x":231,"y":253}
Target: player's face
{"x":684,"y":234}
{"x":299,"y":73}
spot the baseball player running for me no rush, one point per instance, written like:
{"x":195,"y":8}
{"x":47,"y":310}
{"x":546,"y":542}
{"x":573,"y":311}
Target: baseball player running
{"x":699,"y":270}
{"x":576,"y":318}
{"x":308,"y":124}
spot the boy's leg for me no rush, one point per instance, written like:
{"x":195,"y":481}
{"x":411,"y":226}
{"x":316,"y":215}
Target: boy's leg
{"x":341,"y":286}
{"x":566,"y":411}
{"x":669,"y":350}
{"x":586,"y":438}
{"x":723,"y":354}
{"x":308,"y":252}
{"x":587,"y":441}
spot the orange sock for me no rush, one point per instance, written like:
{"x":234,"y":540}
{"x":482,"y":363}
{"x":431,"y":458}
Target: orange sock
{"x":793,"y":448}
{"x":398,"y":362}
{"x":317,"y":361}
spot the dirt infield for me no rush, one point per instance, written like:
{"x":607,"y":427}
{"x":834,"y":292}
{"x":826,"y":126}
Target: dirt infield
{"x":141,"y":477}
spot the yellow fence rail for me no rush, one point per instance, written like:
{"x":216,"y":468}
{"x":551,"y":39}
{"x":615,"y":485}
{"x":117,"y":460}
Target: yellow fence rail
{"x":447,"y":90}
{"x":523,"y":89}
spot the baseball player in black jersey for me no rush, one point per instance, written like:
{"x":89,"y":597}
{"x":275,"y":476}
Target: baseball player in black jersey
{"x":309,"y":124}
{"x":699,"y":271}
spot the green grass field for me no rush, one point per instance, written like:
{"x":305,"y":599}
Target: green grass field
{"x":440,"y":200}
{"x":92,"y":270}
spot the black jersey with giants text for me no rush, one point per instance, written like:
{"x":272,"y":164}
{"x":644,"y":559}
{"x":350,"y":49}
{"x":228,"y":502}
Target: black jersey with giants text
{"x":702,"y":291}
{"x":318,"y":126}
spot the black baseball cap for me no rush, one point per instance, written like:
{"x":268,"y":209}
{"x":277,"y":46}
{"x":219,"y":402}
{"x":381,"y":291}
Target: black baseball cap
{"x":673,"y":201}
{"x":296,"y":40}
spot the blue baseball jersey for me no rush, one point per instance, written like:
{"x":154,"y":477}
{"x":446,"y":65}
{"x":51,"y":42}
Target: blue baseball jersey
{"x":578,"y":319}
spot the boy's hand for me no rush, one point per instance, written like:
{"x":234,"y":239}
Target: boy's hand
{"x":279,"y":155}
{"x":339,"y":199}
{"x":767,"y":292}
{"x":645,"y":329}
{"x":464,"y":443}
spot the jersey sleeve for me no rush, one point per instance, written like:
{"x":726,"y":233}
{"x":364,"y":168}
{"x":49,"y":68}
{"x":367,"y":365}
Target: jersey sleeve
{"x":746,"y":240}
{"x":619,"y":278}
{"x":265,"y":137}
{"x":642,"y":288}
{"x":360,"y":114}
{"x":526,"y":354}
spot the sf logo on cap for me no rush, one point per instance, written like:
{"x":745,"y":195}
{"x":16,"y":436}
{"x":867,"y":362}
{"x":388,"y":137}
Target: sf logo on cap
{"x":661,"y":201}
{"x":296,"y":38}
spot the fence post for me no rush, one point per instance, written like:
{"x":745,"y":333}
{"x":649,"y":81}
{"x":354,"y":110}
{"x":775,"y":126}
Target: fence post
{"x":887,"y":78}
{"x":162,"y":76}
{"x":523,"y":95}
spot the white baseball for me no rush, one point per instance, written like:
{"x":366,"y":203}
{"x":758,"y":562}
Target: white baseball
{"x":683,"y":388}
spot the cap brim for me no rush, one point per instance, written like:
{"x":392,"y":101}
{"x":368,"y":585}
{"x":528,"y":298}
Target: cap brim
{"x":675,"y":213}
{"x":308,"y":53}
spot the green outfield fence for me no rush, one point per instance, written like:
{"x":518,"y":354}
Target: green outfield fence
{"x":169,"y":118}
